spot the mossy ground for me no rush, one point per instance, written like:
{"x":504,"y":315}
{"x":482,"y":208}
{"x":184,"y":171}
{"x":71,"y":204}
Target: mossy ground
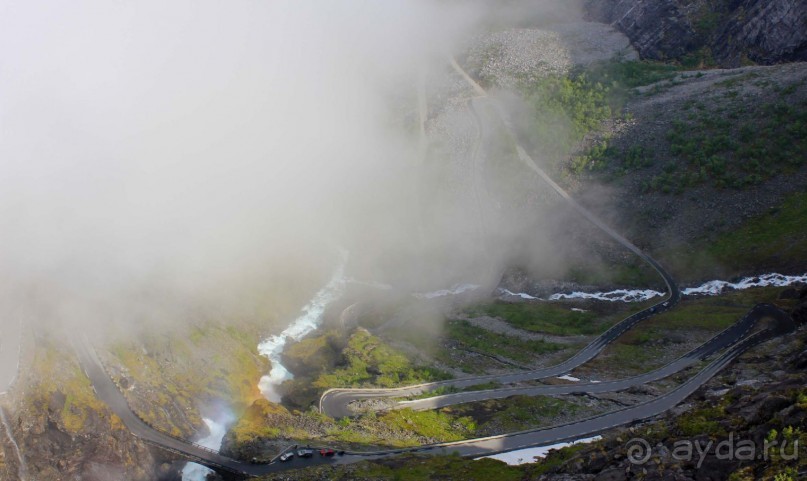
{"x":369,"y":361}
{"x":419,"y":468}
{"x":526,"y":351}
{"x":401,"y":428}
{"x":774,"y":240}
{"x":357,"y":359}
{"x":739,"y":144}
{"x":168,"y":378}
{"x":61,"y":388}
{"x":518,"y":413}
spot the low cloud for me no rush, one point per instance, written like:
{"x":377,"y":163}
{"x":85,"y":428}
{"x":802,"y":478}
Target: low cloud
{"x":165,"y":160}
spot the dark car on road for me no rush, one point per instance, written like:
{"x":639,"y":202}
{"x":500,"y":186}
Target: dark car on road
{"x":305,"y":453}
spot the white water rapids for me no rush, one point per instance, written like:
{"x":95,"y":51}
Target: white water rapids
{"x":711,"y":288}
{"x":522,"y":295}
{"x":217,"y":429}
{"x":309,"y":319}
{"x":620,"y":295}
{"x":454,"y":290}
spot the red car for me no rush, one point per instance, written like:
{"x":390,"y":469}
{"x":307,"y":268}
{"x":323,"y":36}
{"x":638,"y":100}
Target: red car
{"x":326,"y":452}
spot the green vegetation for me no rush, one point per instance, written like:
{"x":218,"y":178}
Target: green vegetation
{"x":483,"y":386}
{"x":259,"y":421}
{"x":775,"y":239}
{"x":368,"y":361}
{"x":435,"y":425}
{"x":745,"y":146}
{"x":622,"y":160}
{"x":567,"y":108}
{"x":399,"y":428}
{"x":62,"y":394}
{"x":733,"y":147}
{"x":624,"y":75}
{"x":443,"y":390}
{"x":427,"y":468}
{"x":516,"y":413}
{"x":603,"y":154}
{"x":314,"y":354}
{"x":440,"y":391}
{"x":172,"y":375}
{"x":631,"y":358}
{"x":703,"y":420}
{"x":557,"y":457}
{"x":705,"y":313}
{"x":631,"y":272}
{"x":544,"y":318}
{"x":521,"y":350}
{"x":447,"y":345}
{"x":358,"y":360}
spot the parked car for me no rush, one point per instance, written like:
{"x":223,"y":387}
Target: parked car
{"x":305,"y":453}
{"x":326,"y":452}
{"x":286,"y":456}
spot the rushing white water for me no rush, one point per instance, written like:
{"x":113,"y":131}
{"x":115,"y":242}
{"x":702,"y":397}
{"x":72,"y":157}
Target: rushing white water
{"x":454,"y":290}
{"x":22,"y":472}
{"x":523,"y":295}
{"x":618,"y":295}
{"x":710,"y":288}
{"x":528,"y":455}
{"x":713,"y":288}
{"x":309,"y":320}
{"x":197,"y":472}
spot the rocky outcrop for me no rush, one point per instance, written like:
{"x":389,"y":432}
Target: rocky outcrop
{"x":656,"y":29}
{"x":60,"y":438}
{"x":728,"y":33}
{"x":55,"y":427}
{"x":764,"y":31}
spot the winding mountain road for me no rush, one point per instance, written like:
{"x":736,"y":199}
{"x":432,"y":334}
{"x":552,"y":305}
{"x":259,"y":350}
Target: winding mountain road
{"x":334,"y":401}
{"x":108,"y":392}
{"x":733,"y":342}
{"x":719,"y":342}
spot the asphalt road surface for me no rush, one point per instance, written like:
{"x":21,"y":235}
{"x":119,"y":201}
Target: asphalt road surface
{"x":721,"y":341}
{"x":334,"y":401}
{"x":108,"y":392}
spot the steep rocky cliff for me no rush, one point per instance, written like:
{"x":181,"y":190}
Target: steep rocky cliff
{"x":728,"y":33}
{"x":62,"y":431}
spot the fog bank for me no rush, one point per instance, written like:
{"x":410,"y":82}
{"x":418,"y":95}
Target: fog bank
{"x":160,"y":161}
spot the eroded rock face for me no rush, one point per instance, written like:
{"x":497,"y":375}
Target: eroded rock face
{"x":656,"y":29}
{"x":732,"y":32}
{"x":766,"y":31}
{"x":100,"y":449}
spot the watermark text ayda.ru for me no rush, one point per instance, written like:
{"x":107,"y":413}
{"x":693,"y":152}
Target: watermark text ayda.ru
{"x":640,"y":451}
